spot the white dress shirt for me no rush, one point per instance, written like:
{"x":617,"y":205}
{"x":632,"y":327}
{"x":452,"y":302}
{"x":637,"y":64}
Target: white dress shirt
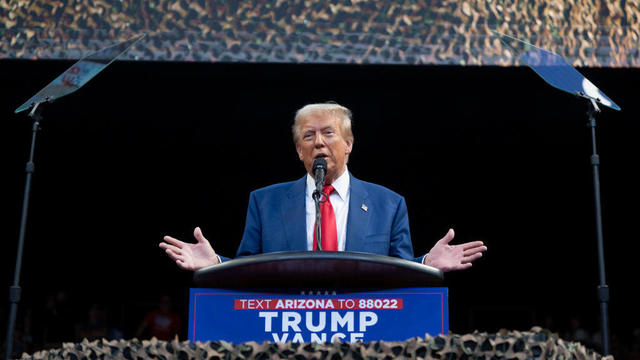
{"x":340,"y":202}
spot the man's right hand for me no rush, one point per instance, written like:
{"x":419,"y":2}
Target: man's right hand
{"x":190,"y":256}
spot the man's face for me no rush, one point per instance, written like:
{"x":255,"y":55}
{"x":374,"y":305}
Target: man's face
{"x":320,"y":136}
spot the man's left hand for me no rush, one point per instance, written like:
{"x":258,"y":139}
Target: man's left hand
{"x":453,"y":257}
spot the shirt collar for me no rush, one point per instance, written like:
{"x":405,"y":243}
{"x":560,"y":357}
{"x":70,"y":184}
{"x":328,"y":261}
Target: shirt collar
{"x":341,"y":184}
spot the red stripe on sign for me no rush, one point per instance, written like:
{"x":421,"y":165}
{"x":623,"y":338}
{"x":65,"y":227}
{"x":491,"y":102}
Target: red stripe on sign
{"x":318,"y":304}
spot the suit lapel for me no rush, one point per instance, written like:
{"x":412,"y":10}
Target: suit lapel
{"x":295,"y":217}
{"x":358,"y":218}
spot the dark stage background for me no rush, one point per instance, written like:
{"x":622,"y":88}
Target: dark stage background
{"x":148,"y":149}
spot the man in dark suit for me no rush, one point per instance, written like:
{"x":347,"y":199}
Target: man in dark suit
{"x":363,"y":216}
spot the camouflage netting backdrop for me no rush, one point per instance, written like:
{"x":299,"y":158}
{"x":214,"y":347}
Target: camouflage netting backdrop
{"x":533,"y":344}
{"x":585,"y":32}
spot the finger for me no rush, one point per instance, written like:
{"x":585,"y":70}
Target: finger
{"x":447,"y":237}
{"x":169,"y":246}
{"x":173,"y":241}
{"x":469,"y":259}
{"x":457,"y":267}
{"x":197,"y":233}
{"x":474,"y":250}
{"x":174,"y":255}
{"x":472,"y":244}
{"x":182,"y":265}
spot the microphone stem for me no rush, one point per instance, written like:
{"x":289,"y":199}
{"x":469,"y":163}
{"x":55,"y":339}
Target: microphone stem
{"x":316,"y":198}
{"x":319,"y":170}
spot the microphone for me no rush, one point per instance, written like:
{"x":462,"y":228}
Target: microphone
{"x":319,"y":170}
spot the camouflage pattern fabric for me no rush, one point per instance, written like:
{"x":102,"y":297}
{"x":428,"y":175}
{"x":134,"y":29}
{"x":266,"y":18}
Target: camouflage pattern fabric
{"x":534,"y":344}
{"x":585,"y":32}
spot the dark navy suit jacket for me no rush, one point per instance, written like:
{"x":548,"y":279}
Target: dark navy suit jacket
{"x":276,"y":220}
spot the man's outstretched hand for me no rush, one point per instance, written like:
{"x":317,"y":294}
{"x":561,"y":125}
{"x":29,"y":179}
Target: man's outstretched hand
{"x":190,"y":256}
{"x":454,"y":257}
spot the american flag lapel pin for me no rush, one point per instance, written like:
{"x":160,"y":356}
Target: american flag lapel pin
{"x":364,"y":207}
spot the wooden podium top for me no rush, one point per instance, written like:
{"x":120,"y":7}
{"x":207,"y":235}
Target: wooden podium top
{"x":318,"y":270}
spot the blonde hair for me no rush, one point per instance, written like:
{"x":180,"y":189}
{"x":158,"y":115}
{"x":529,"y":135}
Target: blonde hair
{"x":337,"y":111}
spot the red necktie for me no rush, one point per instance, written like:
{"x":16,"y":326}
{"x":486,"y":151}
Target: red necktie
{"x":328,"y":226}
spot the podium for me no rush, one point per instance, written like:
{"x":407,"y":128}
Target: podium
{"x":322,"y":296}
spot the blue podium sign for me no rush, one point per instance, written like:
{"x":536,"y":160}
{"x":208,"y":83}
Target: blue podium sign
{"x":390,"y":315}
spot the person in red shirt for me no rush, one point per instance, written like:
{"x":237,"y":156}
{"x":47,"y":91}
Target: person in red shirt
{"x":162,"y":323}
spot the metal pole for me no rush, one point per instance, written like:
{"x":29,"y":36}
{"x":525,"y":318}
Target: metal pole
{"x":317,"y":199}
{"x":603,"y":289}
{"x":15,"y":290}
